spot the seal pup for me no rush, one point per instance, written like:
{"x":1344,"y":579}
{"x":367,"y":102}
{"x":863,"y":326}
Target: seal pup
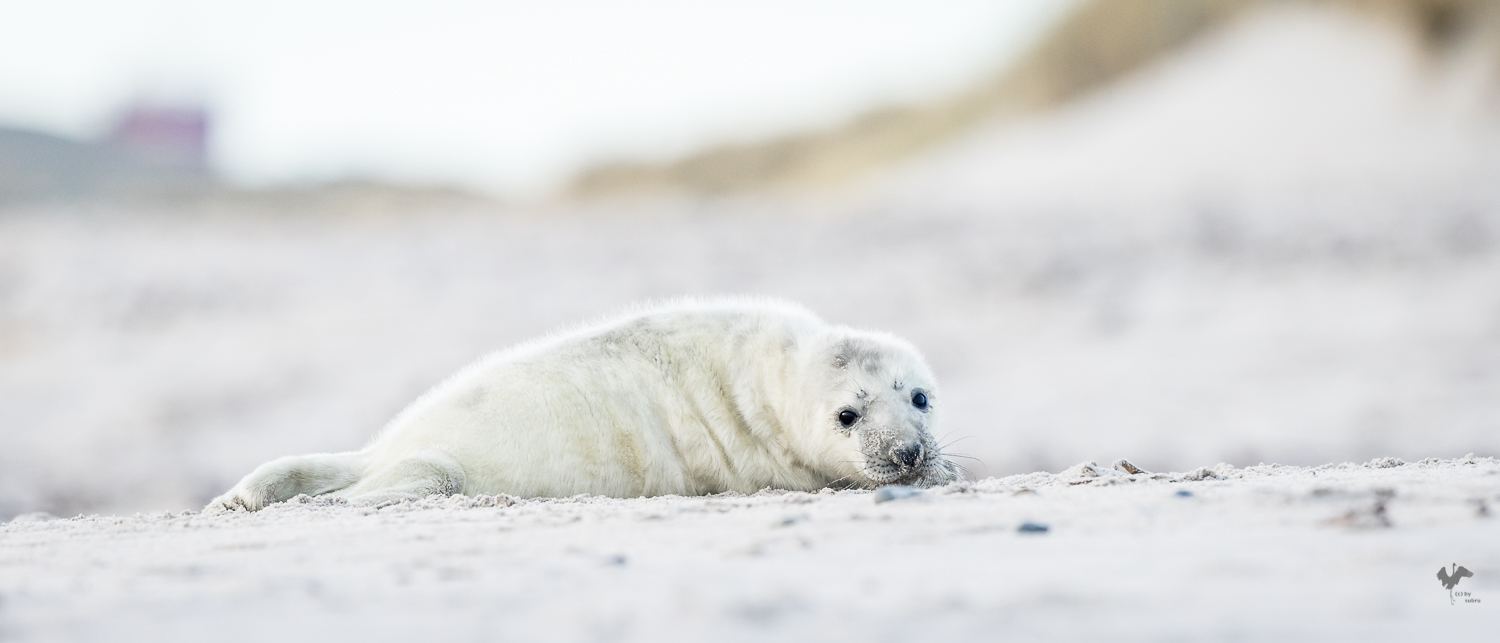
{"x":689,"y":397}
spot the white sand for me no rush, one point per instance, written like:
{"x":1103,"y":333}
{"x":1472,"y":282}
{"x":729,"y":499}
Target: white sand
{"x":1260,"y":553}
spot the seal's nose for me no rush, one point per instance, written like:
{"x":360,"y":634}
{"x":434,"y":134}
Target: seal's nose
{"x":908,"y":456}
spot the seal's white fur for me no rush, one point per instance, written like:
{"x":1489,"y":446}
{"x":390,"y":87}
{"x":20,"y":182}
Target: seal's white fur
{"x":690,"y":397}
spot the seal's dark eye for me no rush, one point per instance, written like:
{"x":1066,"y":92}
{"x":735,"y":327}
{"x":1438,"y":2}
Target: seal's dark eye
{"x":848,"y":417}
{"x":919,"y":400}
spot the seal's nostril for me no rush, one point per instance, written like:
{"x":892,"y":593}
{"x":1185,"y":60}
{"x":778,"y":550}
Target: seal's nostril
{"x":909,"y":455}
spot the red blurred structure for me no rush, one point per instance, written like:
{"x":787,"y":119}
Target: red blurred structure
{"x":175,"y":137}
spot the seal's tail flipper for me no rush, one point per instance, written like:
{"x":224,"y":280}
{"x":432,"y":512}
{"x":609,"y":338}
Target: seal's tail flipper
{"x":414,"y":477}
{"x":288,"y":477}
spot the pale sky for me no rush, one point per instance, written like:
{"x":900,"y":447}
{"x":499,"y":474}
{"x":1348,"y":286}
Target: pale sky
{"x":506,"y":97}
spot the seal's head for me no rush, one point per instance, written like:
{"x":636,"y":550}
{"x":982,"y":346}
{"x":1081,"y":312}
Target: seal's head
{"x":874,"y":414}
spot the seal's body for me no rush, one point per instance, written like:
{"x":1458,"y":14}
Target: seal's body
{"x":686,"y":398}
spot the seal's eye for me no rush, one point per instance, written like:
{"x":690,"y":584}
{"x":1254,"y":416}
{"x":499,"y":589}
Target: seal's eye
{"x":848,"y":417}
{"x":919,"y":400}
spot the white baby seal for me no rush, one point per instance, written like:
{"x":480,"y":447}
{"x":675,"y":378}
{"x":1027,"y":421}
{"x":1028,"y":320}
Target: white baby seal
{"x":691,"y":397}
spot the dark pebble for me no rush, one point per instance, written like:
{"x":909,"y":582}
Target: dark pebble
{"x":894,"y":492}
{"x":1032,"y":528}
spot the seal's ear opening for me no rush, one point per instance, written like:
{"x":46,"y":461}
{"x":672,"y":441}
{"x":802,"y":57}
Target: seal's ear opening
{"x":839,"y":349}
{"x":859,"y":351}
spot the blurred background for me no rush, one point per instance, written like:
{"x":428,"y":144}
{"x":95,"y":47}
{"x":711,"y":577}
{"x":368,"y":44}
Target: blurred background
{"x":1176,"y":231}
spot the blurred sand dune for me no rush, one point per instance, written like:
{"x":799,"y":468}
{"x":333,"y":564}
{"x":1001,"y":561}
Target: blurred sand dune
{"x":1099,"y":43}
